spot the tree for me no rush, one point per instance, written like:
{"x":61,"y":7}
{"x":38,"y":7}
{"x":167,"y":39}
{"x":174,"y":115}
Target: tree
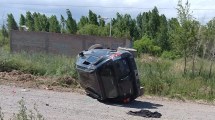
{"x":93,"y":18}
{"x":70,"y":23}
{"x":4,"y":33}
{"x":173,"y":25}
{"x":29,"y":21}
{"x":209,"y":42}
{"x":154,"y":23}
{"x":11,"y":23}
{"x":44,"y":23}
{"x":142,"y":24}
{"x":124,"y":26}
{"x":185,"y":34}
{"x":54,"y":25}
{"x":21,"y":21}
{"x":37,"y":22}
{"x":83,"y":21}
{"x":162,"y":38}
{"x":104,"y":31}
{"x":120,"y":28}
{"x":89,"y":29}
{"x":151,"y":24}
{"x":134,"y":31}
{"x":139,"y":20}
{"x":145,"y":24}
{"x":101,"y":21}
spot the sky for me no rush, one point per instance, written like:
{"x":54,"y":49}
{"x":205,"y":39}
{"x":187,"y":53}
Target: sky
{"x":202,"y":10}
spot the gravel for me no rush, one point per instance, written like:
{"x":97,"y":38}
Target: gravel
{"x":74,"y":106}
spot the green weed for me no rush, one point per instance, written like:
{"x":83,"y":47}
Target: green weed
{"x":164,"y":77}
{"x":24,"y":114}
{"x":38,"y":64}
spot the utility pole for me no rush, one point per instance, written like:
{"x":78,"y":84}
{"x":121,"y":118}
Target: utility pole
{"x":62,"y":26}
{"x":110,"y":26}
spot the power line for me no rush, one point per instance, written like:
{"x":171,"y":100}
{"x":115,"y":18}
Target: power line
{"x":108,"y":7}
{"x":83,"y":6}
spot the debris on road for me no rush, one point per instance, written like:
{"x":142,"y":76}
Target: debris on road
{"x":145,"y":113}
{"x":49,"y":87}
{"x":24,"y":90}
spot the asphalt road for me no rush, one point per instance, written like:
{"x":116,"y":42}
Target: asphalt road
{"x":74,"y":106}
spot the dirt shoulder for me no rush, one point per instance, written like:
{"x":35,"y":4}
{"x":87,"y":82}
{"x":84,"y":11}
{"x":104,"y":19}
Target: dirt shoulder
{"x":20,"y":79}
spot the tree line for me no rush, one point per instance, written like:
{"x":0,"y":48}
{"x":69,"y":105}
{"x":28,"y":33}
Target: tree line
{"x":148,"y":23}
{"x":150,"y":31}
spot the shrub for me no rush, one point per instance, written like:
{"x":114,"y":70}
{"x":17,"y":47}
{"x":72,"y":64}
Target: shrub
{"x":146,"y":45}
{"x":23,"y":113}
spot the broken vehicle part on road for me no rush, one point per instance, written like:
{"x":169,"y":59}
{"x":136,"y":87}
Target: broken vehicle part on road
{"x":107,"y":74}
{"x":145,"y":113}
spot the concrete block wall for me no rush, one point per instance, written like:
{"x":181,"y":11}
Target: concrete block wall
{"x":56,"y":43}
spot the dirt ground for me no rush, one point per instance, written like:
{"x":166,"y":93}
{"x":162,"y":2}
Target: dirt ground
{"x":55,"y":102}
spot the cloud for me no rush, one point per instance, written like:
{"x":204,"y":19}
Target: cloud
{"x":106,"y":8}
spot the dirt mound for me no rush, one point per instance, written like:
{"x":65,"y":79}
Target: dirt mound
{"x":15,"y":72}
{"x":20,"y":79}
{"x":67,"y":80}
{"x":16,"y":76}
{"x":25,"y":77}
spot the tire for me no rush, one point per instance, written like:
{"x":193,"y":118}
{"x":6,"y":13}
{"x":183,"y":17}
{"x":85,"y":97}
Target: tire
{"x":96,"y":46}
